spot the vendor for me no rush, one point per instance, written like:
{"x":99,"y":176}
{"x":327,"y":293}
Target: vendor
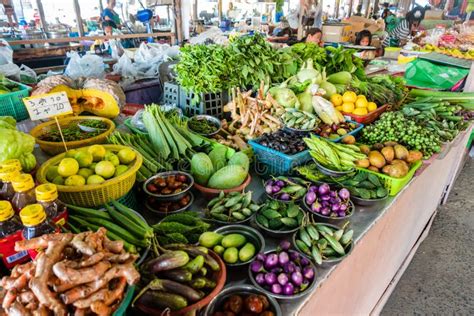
{"x":109,"y":15}
{"x":314,"y":35}
{"x":363,"y":38}
{"x":405,"y":28}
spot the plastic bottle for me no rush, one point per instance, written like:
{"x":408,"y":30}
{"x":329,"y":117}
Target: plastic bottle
{"x":10,"y":233}
{"x":24,"y":187}
{"x":7,"y":174}
{"x":47,"y":196}
{"x":36,"y":224}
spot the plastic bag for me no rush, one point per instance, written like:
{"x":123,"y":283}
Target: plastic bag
{"x":27,"y":75}
{"x":10,"y":70}
{"x":6,"y":53}
{"x":125,"y":67}
{"x":425,"y":74}
{"x":91,"y":66}
{"x":137,"y":121}
{"x":116,"y":48}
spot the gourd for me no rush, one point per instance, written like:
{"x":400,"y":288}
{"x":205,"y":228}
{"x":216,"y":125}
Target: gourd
{"x":101,"y":97}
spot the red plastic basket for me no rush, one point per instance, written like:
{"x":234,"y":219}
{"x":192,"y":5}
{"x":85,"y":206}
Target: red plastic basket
{"x":369,"y":118}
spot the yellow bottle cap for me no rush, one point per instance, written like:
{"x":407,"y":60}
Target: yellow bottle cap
{"x":12,"y":162}
{"x":46,"y":192}
{"x":6,"y":211}
{"x":22,"y":183}
{"x":32,"y":215}
{"x":8,"y":173}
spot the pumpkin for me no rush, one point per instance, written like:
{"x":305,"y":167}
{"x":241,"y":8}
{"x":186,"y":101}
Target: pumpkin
{"x":101,"y":97}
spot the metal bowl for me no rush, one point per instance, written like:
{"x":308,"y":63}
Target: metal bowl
{"x":329,"y":219}
{"x":326,"y":263}
{"x":251,"y":234}
{"x":169,"y":197}
{"x":332,"y":173}
{"x":368,"y":202}
{"x":163,"y":214}
{"x":217,"y":302}
{"x":309,"y":289}
{"x":209,"y":118}
{"x":276,"y":233}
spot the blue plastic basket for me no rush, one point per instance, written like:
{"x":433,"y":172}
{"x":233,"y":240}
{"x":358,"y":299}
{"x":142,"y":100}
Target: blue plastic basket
{"x":354,"y":132}
{"x":272,"y":162}
{"x":12,"y":103}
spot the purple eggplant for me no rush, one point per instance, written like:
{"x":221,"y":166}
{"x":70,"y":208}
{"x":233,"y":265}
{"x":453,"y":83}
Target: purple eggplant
{"x":256,"y":266}
{"x":344,"y":194}
{"x":276,"y":270}
{"x":276,"y":288}
{"x":325,"y":211}
{"x":304,"y":261}
{"x":280,"y":183}
{"x":294,"y":255}
{"x":271,"y":261}
{"x":324,"y":189}
{"x":325,"y":198}
{"x":270,"y":278}
{"x":283,"y":257}
{"x":304,"y":285}
{"x":260,"y":279}
{"x":341,"y":214}
{"x":310,"y":198}
{"x":332,"y":194}
{"x":297,"y":278}
{"x":276,"y":189}
{"x":288,"y":289}
{"x":343,"y":207}
{"x":316,"y":207}
{"x":335,"y":207}
{"x":313,"y":188}
{"x":289,"y":267}
{"x":308,"y":273}
{"x":285,"y":245}
{"x":285,"y":197}
{"x":269,"y":189}
{"x":282,"y":278}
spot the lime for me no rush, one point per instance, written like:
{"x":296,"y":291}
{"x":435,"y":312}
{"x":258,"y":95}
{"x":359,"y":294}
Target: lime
{"x":85,"y":172}
{"x":52,"y":173}
{"x":105,"y":169}
{"x":84,"y":158}
{"x":126,"y":156}
{"x":58,"y":180}
{"x":95,"y":179}
{"x":92,"y":166}
{"x":75,"y":180}
{"x":68,"y":167}
{"x":112,"y":158}
{"x":120,"y":169}
{"x":71,"y":153}
{"x":97,"y":151}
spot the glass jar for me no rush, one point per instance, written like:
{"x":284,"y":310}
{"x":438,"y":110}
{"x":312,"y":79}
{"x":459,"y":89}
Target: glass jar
{"x":10,"y":233}
{"x":7,"y":174}
{"x":47,"y":196}
{"x":24,"y":187}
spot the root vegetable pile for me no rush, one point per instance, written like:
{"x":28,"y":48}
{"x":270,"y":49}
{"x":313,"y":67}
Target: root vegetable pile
{"x":86,"y":273}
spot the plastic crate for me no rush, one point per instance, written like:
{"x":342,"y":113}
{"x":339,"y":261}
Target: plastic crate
{"x":276,"y":163}
{"x":12,"y":103}
{"x":209,"y":103}
{"x":369,"y":118}
{"x":171,"y":93}
{"x":129,"y":200}
{"x":394,"y":185}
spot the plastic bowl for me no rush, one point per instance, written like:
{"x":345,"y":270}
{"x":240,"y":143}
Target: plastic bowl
{"x":367,"y":202}
{"x":217,"y":303}
{"x":330,"y":219}
{"x":211,"y":193}
{"x":326,"y":263}
{"x":252,"y":235}
{"x":309,"y":289}
{"x":209,"y":118}
{"x":332,"y":173}
{"x":163,"y":214}
{"x":169,"y":197}
{"x":219,"y":277}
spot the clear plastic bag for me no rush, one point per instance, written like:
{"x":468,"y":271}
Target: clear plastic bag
{"x":27,"y":75}
{"x":7,"y":67}
{"x":89,"y":65}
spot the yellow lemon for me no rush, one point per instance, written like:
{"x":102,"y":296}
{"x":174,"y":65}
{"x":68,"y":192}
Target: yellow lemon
{"x":361,"y":103}
{"x":348,"y":107}
{"x":97,"y":151}
{"x":339,"y":108}
{"x":126,"y":156}
{"x":371,"y":106}
{"x":349,"y":97}
{"x":336,"y":99}
{"x":68,"y":167}
{"x":75,"y":180}
{"x":105,"y":169}
{"x":95,"y":179}
{"x":360,"y":96}
{"x":360,"y":111}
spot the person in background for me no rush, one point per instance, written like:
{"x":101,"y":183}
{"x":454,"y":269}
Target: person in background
{"x":363,"y":38}
{"x":109,"y":15}
{"x":314,"y":35}
{"x":358,"y":10}
{"x":408,"y":26}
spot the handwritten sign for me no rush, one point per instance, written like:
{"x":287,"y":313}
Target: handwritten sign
{"x":48,"y":105}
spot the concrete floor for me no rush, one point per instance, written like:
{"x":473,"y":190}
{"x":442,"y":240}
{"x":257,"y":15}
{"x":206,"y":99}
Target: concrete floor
{"x":440,"y":278}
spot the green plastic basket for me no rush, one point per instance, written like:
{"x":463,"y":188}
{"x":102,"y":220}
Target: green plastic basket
{"x":394,"y":185}
{"x":12,"y":103}
{"x":129,"y":200}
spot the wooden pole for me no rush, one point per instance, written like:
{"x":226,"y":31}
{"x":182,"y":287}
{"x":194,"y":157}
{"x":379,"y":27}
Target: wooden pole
{"x":300,"y":20}
{"x":336,"y":9}
{"x":101,"y":6}
{"x":195,"y":10}
{"x":219,"y":10}
{"x":349,"y":13}
{"x":178,"y":20}
{"x":77,"y":11}
{"x":39,"y":5}
{"x":376,"y":7}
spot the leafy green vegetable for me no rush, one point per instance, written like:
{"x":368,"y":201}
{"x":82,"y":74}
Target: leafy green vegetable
{"x":16,"y":145}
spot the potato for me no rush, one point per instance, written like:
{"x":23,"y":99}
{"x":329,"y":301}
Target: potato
{"x":362,"y":163}
{"x":398,"y":171}
{"x":388,"y":153}
{"x":349,"y":139}
{"x":373,"y":168}
{"x":364,"y":149}
{"x":414,"y":156}
{"x":401,"y":152}
{"x":376,"y":159}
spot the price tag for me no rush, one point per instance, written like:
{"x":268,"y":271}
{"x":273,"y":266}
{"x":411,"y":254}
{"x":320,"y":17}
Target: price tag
{"x":48,"y":105}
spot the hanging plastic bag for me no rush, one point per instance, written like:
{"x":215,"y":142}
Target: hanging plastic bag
{"x":125,"y":67}
{"x":6,"y":53}
{"x":89,"y":65}
{"x":425,"y":74}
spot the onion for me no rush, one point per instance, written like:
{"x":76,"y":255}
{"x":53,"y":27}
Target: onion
{"x":282,"y":278}
{"x":271,"y":261}
{"x":256,"y":266}
{"x":283,"y":257}
{"x":297,"y":278}
{"x":269,"y":189}
{"x":261,"y":256}
{"x":324,"y":189}
{"x":289,"y":267}
{"x":344,"y":194}
{"x":288,"y":289}
{"x":285,"y":197}
{"x":280,"y":183}
{"x":276,"y":288}
{"x":310,"y":198}
{"x":270,"y":278}
{"x":285,"y":245}
{"x":260,"y":279}
{"x":275,"y":189}
{"x":308,"y":273}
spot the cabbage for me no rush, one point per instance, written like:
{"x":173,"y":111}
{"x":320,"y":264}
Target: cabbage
{"x":307,"y":72}
{"x":285,"y":97}
{"x":17,"y":145}
{"x":7,"y":122}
